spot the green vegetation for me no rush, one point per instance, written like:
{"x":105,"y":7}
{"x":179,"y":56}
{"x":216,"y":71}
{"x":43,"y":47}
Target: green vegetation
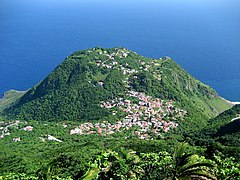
{"x":222,"y":130}
{"x":187,"y":166}
{"x":9,"y":98}
{"x":226,"y":123}
{"x":111,"y":113}
{"x":73,"y":91}
{"x":179,"y":166}
{"x":112,"y":156}
{"x":89,"y":157}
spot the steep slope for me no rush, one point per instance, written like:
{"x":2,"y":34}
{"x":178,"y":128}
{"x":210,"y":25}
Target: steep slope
{"x":76,"y":89}
{"x":225,"y":128}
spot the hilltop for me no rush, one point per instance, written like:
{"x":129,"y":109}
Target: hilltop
{"x":77,"y":87}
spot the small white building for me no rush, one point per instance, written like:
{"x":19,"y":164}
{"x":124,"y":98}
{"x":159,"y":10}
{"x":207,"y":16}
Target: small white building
{"x":28,"y":128}
{"x":52,"y":138}
{"x":16,"y":139}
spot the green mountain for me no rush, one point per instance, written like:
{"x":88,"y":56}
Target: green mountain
{"x":77,"y":89}
{"x":225,"y":128}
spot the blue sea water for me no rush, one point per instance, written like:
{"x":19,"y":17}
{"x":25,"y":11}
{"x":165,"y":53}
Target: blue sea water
{"x":203,"y":36}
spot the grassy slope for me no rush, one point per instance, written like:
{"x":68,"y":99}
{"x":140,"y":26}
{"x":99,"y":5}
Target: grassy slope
{"x":10,"y":97}
{"x":220,"y":105}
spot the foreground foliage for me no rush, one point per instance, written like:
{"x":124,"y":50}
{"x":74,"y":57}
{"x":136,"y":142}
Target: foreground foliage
{"x":89,"y":156}
{"x":74,"y":92}
{"x":161,"y":166}
{"x":128,"y":164}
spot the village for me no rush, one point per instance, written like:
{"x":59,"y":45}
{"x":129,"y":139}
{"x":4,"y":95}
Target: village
{"x":145,"y":118}
{"x":112,"y":63}
{"x":148,"y":116}
{"x":5,"y":129}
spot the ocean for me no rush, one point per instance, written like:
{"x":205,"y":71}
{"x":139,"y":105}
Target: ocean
{"x":203,"y":36}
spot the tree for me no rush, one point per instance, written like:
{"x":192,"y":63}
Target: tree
{"x":156,"y":165}
{"x":188,"y":166}
{"x":227,"y":167}
{"x":112,"y":165}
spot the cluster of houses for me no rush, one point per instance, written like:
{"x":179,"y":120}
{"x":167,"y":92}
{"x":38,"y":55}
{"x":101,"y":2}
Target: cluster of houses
{"x":148,"y":116}
{"x":111,"y":63}
{"x":146,"y":108}
{"x":120,"y":53}
{"x":5,"y":129}
{"x":100,"y":128}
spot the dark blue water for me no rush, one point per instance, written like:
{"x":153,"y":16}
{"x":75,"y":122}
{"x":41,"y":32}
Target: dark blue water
{"x":203,"y":36}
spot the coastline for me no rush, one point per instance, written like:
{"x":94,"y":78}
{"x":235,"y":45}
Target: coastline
{"x":235,"y":103}
{"x":231,"y":102}
{"x":5,"y":94}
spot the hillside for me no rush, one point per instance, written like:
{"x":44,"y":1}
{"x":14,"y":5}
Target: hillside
{"x":9,"y":98}
{"x":77,"y":89}
{"x":225,"y":128}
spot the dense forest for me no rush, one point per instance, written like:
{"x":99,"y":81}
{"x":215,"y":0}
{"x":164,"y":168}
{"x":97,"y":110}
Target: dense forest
{"x":114,"y":114}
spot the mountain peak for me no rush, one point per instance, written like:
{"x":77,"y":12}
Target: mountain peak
{"x":76,"y":88}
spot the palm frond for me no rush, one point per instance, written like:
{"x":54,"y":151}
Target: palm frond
{"x":185,"y":159}
{"x":200,"y":174}
{"x":180,"y":151}
{"x":195,"y":165}
{"x":91,"y":174}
